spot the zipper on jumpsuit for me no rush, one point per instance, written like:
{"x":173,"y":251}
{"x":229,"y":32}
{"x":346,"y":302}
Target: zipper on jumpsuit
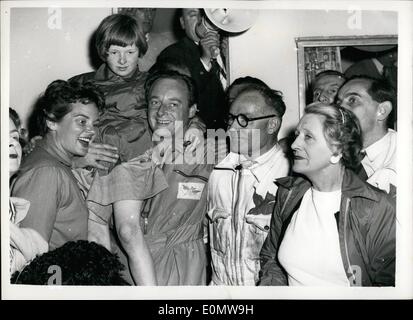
{"x":235,"y":274}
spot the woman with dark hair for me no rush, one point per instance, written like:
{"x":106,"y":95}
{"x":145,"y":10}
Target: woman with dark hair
{"x":329,"y":228}
{"x":66,"y":117}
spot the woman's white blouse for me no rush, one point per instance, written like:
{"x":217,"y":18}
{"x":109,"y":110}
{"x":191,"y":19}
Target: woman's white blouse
{"x":310,"y":250}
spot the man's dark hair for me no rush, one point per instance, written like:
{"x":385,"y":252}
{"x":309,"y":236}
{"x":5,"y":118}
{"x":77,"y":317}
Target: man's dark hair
{"x":239,"y":84}
{"x":80,"y":262}
{"x":247,"y":80}
{"x":380,"y":91}
{"x":272,"y":98}
{"x":171,"y":74}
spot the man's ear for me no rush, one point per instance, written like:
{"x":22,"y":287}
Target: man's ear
{"x":383,"y":110}
{"x":51,"y":125}
{"x":273,"y":125}
{"x":181,"y":20}
{"x":192,"y":111}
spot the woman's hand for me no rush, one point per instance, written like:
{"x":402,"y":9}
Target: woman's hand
{"x":97,"y":152}
{"x":195,"y":136}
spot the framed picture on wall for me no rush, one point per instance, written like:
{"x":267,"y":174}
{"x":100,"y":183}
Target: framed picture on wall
{"x":318,"y":59}
{"x":317,"y":54}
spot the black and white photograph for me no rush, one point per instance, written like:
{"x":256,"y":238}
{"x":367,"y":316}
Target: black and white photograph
{"x":237,"y":150}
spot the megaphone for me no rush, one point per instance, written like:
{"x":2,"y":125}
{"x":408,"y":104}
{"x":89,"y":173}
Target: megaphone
{"x":229,"y":20}
{"x":232,"y":20}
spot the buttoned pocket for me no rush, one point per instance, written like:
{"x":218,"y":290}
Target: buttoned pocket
{"x":220,"y":230}
{"x":256,"y":232}
{"x":259,"y":221}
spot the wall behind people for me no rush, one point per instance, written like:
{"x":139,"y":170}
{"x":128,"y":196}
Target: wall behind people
{"x":164,"y":20}
{"x":44,"y":48}
{"x":273,"y":58}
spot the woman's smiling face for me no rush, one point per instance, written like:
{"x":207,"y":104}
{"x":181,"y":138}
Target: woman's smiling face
{"x":76,"y":129}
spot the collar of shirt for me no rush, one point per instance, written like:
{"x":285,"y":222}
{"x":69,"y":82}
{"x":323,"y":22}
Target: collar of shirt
{"x":260,"y":166}
{"x":379,"y":149}
{"x":264,"y":163}
{"x":220,"y":61}
{"x":104,"y":73}
{"x":48,"y":144}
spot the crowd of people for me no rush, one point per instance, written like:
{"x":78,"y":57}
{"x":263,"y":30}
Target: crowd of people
{"x":124,"y":173}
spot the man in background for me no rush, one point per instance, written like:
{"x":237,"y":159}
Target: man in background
{"x":325,"y":86}
{"x":372,"y":101}
{"x":204,"y":61}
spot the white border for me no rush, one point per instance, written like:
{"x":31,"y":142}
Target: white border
{"x":404,"y":288}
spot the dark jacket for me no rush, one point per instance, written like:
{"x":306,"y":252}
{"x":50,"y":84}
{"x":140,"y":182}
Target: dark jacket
{"x":366,"y":227}
{"x":211,"y":103}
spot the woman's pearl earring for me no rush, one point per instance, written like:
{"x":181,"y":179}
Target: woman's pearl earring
{"x":335,"y":159}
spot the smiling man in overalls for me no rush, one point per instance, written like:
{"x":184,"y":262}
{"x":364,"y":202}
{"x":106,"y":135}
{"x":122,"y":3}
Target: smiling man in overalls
{"x":159,"y":199}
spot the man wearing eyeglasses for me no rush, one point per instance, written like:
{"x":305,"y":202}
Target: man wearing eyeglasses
{"x":241,"y":187}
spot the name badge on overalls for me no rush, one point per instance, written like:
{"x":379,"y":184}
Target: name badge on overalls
{"x":190,"y":190}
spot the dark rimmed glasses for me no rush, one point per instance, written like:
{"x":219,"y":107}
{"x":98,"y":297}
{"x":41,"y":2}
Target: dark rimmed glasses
{"x":243,"y":120}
